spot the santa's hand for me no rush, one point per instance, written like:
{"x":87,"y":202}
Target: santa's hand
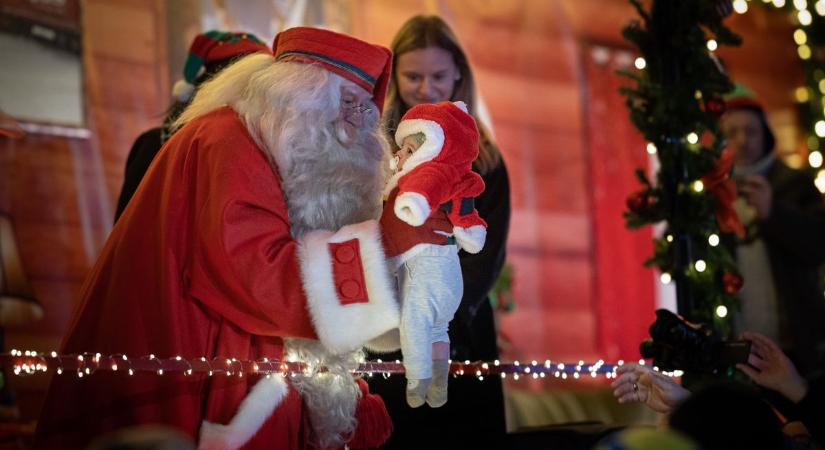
{"x":412,"y":208}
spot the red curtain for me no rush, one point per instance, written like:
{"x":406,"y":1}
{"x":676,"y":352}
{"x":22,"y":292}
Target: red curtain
{"x":623,"y":288}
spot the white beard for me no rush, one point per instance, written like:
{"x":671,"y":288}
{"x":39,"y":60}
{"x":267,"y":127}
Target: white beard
{"x":328,"y":185}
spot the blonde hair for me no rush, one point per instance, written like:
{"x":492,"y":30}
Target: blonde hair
{"x":431,"y":31}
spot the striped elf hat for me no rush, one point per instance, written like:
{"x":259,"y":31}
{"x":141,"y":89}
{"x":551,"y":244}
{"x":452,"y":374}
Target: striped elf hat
{"x":210,"y":48}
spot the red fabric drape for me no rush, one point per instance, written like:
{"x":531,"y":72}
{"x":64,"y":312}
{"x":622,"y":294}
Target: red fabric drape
{"x":623,"y":288}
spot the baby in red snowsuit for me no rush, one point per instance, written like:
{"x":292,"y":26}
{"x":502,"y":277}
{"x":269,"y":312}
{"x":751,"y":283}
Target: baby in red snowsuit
{"x":428,"y":216}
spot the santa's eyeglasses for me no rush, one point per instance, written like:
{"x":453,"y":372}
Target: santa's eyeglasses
{"x":353,"y":107}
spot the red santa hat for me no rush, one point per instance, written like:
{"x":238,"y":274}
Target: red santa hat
{"x":364,"y":64}
{"x":213,"y":50}
{"x":450,"y":132}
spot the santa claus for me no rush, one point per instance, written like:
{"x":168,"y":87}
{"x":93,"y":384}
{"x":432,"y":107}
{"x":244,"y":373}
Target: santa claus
{"x":252,"y":235}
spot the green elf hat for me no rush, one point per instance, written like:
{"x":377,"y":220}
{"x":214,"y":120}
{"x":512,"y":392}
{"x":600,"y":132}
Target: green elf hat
{"x":210,"y":48}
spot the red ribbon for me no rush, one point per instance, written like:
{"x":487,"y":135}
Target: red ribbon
{"x":719,"y":183}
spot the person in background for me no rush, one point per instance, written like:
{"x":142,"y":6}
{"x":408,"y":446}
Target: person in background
{"x":209,"y":53}
{"x":429,"y":66}
{"x":767,"y":366}
{"x":782,"y":253}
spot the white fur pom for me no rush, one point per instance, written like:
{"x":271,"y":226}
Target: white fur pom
{"x":412,"y":207}
{"x":259,"y":404}
{"x":461,"y":105}
{"x":471,"y":239}
{"x":182,"y":90}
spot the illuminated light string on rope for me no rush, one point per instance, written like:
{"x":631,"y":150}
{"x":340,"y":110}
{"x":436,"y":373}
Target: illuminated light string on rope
{"x":31,"y":362}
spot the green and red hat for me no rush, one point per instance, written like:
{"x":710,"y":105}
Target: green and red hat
{"x":364,"y":64}
{"x":214,"y":48}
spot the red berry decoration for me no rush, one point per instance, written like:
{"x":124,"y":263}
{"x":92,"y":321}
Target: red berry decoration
{"x":732,"y":282}
{"x":716,"y":106}
{"x":638,"y":201}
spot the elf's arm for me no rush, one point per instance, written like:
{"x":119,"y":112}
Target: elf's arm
{"x":469,"y":229}
{"x":422,"y":190}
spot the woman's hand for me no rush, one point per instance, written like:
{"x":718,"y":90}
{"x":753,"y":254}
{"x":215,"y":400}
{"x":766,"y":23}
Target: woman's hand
{"x":769,"y":367}
{"x":637,"y":383}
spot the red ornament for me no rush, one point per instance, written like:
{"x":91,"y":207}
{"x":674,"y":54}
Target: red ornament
{"x":732,"y":282}
{"x":639,"y":201}
{"x":716,"y":106}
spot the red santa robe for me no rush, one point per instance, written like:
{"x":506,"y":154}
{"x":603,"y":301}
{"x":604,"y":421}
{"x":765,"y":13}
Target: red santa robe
{"x":202,"y":264}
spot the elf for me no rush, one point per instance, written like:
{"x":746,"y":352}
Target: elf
{"x":428,"y":216}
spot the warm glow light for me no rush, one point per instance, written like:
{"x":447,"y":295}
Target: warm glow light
{"x":665,"y":278}
{"x":819,"y":128}
{"x":640,"y":63}
{"x":651,"y":148}
{"x":800,"y":4}
{"x":805,"y":17}
{"x":712,"y":45}
{"x":820,"y":181}
{"x":693,"y":138}
{"x":815,"y":159}
{"x":800,"y":37}
{"x":698,"y":186}
{"x":820,"y":7}
{"x":822,"y":85}
{"x":700,"y":265}
{"x":801,"y":94}
{"x":804,"y":52}
{"x":669,"y":238}
{"x":740,"y":6}
{"x":713,"y":240}
{"x":779,"y":3}
{"x":721,"y":311}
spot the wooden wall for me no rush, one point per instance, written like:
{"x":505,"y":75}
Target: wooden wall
{"x":61,"y":192}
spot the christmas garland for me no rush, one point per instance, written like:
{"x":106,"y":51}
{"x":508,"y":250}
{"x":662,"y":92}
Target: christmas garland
{"x":676,"y":104}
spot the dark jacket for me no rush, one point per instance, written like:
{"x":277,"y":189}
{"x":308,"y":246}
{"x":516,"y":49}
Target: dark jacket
{"x":474,"y":414}
{"x":794,"y":235}
{"x":143,"y":151}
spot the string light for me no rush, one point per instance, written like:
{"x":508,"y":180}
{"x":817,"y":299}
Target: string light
{"x":740,"y":6}
{"x":800,"y":37}
{"x":692,"y":138}
{"x":700,"y":265}
{"x":800,"y":4}
{"x":712,"y":45}
{"x":698,"y":186}
{"x":651,"y":148}
{"x":669,"y":238}
{"x":801,"y":94}
{"x":820,"y":7}
{"x":805,"y":17}
{"x":819,"y":128}
{"x":640,"y":63}
{"x":815,"y":159}
{"x":721,"y":311}
{"x":779,"y":3}
{"x":665,"y":278}
{"x":713,"y":240}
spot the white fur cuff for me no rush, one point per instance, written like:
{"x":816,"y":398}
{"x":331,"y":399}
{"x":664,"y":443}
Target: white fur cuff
{"x":471,"y":239}
{"x":346,"y":327}
{"x":412,"y":207}
{"x":259,"y":404}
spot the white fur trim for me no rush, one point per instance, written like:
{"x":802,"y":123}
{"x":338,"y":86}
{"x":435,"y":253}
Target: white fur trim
{"x":182,"y":90}
{"x":462,"y":106}
{"x":433,"y":143}
{"x":412,"y":208}
{"x":259,"y":404}
{"x":471,"y":239}
{"x":343,"y":328}
{"x":386,"y":343}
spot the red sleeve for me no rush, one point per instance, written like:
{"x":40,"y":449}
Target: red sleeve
{"x":435,"y":181}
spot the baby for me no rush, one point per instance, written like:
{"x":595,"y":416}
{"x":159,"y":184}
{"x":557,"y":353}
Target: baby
{"x":428,"y":216}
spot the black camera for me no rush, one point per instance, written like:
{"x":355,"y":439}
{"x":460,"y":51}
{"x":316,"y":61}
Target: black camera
{"x":678,"y":344}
